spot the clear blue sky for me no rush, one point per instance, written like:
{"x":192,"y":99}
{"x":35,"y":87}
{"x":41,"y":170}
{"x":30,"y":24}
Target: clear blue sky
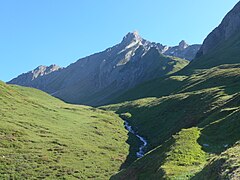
{"x":44,"y":32}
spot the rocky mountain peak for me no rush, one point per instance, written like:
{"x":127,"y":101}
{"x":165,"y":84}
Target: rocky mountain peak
{"x":40,"y":67}
{"x":132,"y":37}
{"x":183,"y":45}
{"x":95,"y":78}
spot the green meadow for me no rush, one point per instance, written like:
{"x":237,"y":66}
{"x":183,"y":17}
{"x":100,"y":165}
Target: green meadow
{"x":42,"y":137}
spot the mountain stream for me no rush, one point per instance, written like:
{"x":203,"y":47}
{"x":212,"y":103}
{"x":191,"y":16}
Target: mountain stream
{"x":141,"y":151}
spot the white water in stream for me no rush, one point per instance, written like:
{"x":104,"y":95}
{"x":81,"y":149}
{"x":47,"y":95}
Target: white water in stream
{"x":141,"y":152}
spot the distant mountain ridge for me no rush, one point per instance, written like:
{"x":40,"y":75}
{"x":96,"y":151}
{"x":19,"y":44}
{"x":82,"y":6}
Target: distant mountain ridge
{"x":37,"y":72}
{"x":96,"y":79}
{"x":183,"y":50}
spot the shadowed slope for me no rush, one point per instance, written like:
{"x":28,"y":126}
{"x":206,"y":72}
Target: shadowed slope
{"x":207,"y":100}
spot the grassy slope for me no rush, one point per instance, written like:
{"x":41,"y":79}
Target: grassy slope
{"x":179,"y":157}
{"x":42,"y":137}
{"x":207,"y":99}
{"x":224,"y":166}
{"x":201,"y":94}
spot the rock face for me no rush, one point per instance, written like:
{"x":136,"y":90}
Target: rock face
{"x":26,"y":79}
{"x":183,"y":50}
{"x":96,"y":79}
{"x":229,"y":26}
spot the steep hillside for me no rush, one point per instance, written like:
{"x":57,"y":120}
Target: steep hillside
{"x":226,"y":52}
{"x":198,"y":95}
{"x":42,"y":137}
{"x":207,"y":103}
{"x":178,"y":158}
{"x":229,"y":26}
{"x":222,"y":45}
{"x":98,"y":78}
{"x":224,"y":166}
{"x":199,"y":79}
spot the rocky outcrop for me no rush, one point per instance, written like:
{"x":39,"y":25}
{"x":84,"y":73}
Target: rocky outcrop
{"x":183,"y":50}
{"x":96,"y":79}
{"x":26,"y":79}
{"x":229,"y":26}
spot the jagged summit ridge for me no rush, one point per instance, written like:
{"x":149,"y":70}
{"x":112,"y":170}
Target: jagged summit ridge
{"x":182,"y":50}
{"x":98,"y":78}
{"x":183,"y":45}
{"x":132,"y":36}
{"x":26,"y":78}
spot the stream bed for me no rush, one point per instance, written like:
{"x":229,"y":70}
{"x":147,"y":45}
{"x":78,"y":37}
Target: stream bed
{"x":141,"y":151}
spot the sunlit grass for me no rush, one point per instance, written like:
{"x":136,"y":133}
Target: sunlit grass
{"x":42,"y":137}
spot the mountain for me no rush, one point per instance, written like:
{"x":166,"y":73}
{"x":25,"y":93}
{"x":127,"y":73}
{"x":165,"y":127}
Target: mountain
{"x":41,"y":71}
{"x":229,"y":27}
{"x":191,"y":119}
{"x":96,"y":79}
{"x":42,"y":137}
{"x":225,"y":52}
{"x":222,"y":45}
{"x":183,"y":50}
